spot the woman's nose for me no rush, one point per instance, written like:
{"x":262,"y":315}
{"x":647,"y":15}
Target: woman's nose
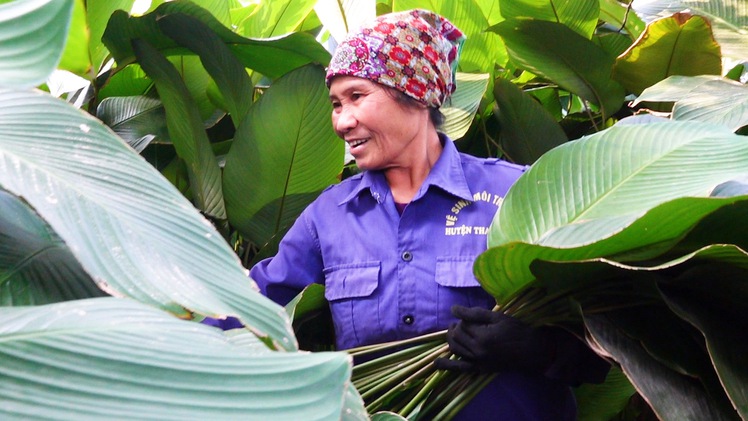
{"x":345,"y":121}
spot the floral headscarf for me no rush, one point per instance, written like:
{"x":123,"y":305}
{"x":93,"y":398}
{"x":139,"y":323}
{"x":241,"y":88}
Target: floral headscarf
{"x":414,"y":52}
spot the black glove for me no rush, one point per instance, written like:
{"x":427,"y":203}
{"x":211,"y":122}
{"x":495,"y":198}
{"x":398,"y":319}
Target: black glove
{"x":490,"y":341}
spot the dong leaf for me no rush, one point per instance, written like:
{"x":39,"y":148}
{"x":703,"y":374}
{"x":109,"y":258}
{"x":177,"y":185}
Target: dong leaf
{"x":274,"y":170}
{"x":557,"y":53}
{"x":138,"y":120}
{"x":615,"y":175}
{"x":460,"y":109}
{"x":729,"y":19}
{"x":129,"y":228}
{"x":272,"y":57}
{"x":678,"y":45}
{"x":36,"y":267}
{"x":670,"y":394}
{"x":580,"y":16}
{"x":185,"y":129}
{"x":33,"y":34}
{"x":527,"y":129}
{"x":713,"y":298}
{"x":610,"y":194}
{"x":228,"y":73}
{"x":110,"y":358}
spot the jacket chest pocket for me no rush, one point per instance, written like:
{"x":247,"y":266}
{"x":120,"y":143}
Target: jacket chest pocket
{"x":354,"y":305}
{"x":457,"y":286}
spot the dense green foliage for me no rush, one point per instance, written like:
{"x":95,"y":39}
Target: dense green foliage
{"x":624,"y":230}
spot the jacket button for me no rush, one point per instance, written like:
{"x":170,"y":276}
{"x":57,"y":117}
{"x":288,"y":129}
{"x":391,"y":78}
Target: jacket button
{"x":408,"y":320}
{"x":407,"y":256}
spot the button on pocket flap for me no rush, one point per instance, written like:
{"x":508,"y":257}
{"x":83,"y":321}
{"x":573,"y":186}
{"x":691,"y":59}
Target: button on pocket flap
{"x":455,"y":272}
{"x":351,"y":281}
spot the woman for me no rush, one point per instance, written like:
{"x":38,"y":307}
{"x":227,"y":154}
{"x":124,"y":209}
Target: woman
{"x":394,"y":245}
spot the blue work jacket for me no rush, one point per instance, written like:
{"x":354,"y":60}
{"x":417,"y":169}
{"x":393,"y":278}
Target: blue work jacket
{"x":391,"y":276}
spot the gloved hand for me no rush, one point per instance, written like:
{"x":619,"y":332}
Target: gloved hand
{"x":490,"y":341}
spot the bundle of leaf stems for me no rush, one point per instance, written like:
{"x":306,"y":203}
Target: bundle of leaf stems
{"x":400,"y":376}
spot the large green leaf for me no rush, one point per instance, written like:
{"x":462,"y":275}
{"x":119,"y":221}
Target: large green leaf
{"x":342,"y":16}
{"x":460,"y":109}
{"x":276,"y":18}
{"x":713,"y":299}
{"x":528,"y":130}
{"x":554,"y":51}
{"x":729,"y":19}
{"x":673,"y":88}
{"x":75,"y":58}
{"x":36,"y":267}
{"x":281,"y":167}
{"x":98,"y":13}
{"x":579,"y":15}
{"x":610,"y":194}
{"x":671,"y":395}
{"x":621,"y":16}
{"x":185,"y":129}
{"x":603,"y":401}
{"x":228,"y":73}
{"x":678,"y":45}
{"x":138,"y":120}
{"x":590,"y":188}
{"x":33,"y":34}
{"x":110,"y":358}
{"x":718,"y":101}
{"x":272,"y":57}
{"x":132,"y":232}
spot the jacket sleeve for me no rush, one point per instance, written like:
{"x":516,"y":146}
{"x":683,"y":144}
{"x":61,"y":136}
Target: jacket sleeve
{"x":297,"y":264}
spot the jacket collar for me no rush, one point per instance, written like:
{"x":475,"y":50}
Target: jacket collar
{"x":447,"y":174}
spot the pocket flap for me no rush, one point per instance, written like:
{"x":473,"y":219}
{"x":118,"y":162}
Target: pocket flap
{"x":456,"y":272}
{"x":351,"y":281}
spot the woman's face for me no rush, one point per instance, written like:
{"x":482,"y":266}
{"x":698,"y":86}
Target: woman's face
{"x":381,"y":132}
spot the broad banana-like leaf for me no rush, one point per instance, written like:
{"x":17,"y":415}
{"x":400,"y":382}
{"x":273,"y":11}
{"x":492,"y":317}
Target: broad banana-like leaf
{"x":729,"y":19}
{"x":129,"y":228}
{"x":603,"y":401}
{"x":673,"y":88}
{"x":114,"y":358}
{"x":616,"y":176}
{"x":185,"y":129}
{"x":98,"y":13}
{"x":341,"y":16}
{"x":713,"y":298}
{"x":272,"y":57}
{"x":33,"y":34}
{"x":579,"y":15}
{"x":75,"y":57}
{"x":610,"y":194}
{"x":228,"y":73}
{"x":281,"y":167}
{"x":36,"y":267}
{"x":527,"y":129}
{"x":718,"y":101}
{"x":557,"y":53}
{"x":276,"y":18}
{"x":462,"y":105}
{"x":621,"y":16}
{"x":671,"y":395}
{"x":138,"y":120}
{"x":677,"y":45}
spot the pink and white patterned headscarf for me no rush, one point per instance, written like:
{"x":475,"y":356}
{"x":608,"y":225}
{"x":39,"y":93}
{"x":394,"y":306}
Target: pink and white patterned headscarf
{"x":414,"y":52}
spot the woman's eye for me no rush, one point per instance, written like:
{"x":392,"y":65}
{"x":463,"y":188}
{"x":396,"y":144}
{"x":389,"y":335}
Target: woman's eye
{"x":355,"y":96}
